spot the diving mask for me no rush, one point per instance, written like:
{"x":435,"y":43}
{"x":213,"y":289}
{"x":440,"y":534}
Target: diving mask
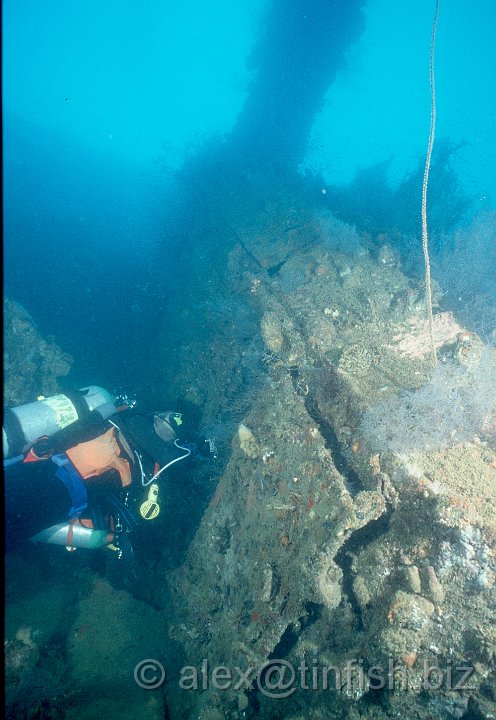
{"x":166,"y":423}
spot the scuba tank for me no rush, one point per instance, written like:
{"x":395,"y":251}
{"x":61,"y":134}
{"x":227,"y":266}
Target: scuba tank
{"x":25,"y":424}
{"x":110,"y":521}
{"x":74,"y":535}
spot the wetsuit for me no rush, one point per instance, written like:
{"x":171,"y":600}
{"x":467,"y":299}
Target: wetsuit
{"x":37,"y":498}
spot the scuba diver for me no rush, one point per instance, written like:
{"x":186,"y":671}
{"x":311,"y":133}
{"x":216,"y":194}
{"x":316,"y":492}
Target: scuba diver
{"x":82,"y":469}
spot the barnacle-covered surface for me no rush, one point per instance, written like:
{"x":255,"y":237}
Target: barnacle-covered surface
{"x":318,"y":547}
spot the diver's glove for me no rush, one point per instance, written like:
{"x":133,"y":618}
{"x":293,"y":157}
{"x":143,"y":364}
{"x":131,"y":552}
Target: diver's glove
{"x":201,"y":449}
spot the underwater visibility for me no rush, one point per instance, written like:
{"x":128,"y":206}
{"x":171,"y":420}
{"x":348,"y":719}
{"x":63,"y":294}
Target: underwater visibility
{"x":249,"y":428}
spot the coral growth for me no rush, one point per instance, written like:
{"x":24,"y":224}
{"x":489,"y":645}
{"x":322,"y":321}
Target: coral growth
{"x":414,"y":341}
{"x":453,"y":406}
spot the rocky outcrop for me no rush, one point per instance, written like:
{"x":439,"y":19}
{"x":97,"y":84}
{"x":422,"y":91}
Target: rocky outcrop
{"x":32,"y":363}
{"x":318,"y":552}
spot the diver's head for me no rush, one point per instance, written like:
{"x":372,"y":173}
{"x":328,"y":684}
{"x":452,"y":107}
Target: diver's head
{"x":166,"y":424}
